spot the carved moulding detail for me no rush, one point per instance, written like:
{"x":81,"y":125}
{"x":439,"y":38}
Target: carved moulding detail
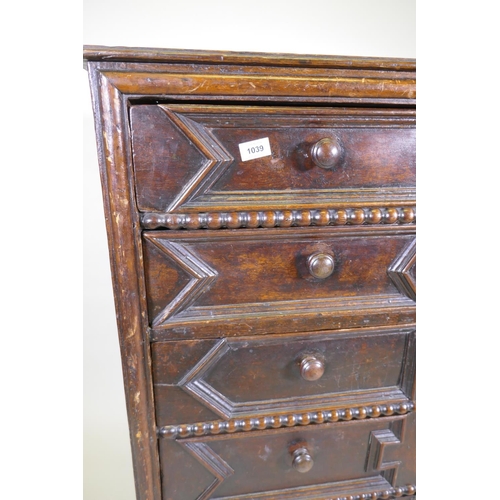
{"x":402,"y":271}
{"x":275,"y":422}
{"x":212,"y":462}
{"x":217,"y":158}
{"x":217,"y":400}
{"x":379,"y":442}
{"x":201,"y":277}
{"x":280,"y":218}
{"x":389,"y":86}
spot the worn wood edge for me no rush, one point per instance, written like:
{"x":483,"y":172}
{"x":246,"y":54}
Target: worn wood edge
{"x":299,"y":308}
{"x":280,"y":218}
{"x":236,"y":327}
{"x":374,"y":230}
{"x":367,"y":199}
{"x":147,"y":54}
{"x":344,"y":333}
{"x":250,"y":424}
{"x":121,"y":219}
{"x":399,"y":117}
{"x":256,"y":201}
{"x":198,"y":84}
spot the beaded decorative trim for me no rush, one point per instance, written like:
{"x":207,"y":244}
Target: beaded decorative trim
{"x":280,"y":218}
{"x":400,"y":491}
{"x":275,"y":422}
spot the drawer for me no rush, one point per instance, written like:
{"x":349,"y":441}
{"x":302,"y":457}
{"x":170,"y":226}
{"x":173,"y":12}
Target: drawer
{"x":280,"y":280}
{"x":288,"y":374}
{"x":187,"y":158}
{"x":306,"y":463}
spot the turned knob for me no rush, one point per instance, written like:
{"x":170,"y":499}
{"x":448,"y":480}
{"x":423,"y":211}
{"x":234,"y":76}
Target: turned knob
{"x":327,"y":152}
{"x":302,"y":460}
{"x":311,"y":368}
{"x":320,"y":265}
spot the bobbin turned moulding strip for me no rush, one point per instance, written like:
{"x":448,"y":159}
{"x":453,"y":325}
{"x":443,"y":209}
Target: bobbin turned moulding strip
{"x":341,"y":139}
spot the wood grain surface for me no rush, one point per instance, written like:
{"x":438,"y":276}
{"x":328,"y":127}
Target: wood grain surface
{"x":265,"y":307}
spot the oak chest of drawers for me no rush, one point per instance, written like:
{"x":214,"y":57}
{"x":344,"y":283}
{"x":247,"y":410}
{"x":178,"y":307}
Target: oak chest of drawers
{"x":260,"y":211}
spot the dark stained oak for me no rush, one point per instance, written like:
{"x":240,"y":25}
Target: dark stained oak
{"x":265,"y":305}
{"x":248,"y":59}
{"x":227,"y":277}
{"x":187,"y":158}
{"x":281,"y":218}
{"x":331,"y":456}
{"x":247,"y":424}
{"x":249,"y":376}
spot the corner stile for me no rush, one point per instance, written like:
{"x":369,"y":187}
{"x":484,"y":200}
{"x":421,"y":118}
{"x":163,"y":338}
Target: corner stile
{"x":122,"y":225}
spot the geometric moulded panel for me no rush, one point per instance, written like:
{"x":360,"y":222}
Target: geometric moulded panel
{"x":235,"y":378}
{"x":228,"y":468}
{"x":199,"y":282}
{"x":403,"y":271}
{"x":187,"y":157}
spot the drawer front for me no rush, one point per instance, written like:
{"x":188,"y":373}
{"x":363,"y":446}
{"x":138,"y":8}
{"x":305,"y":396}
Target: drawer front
{"x":188,"y":158}
{"x":257,"y":281}
{"x":233,"y":378}
{"x":295,"y":463}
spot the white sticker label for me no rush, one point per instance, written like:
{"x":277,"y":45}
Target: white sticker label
{"x":255,"y":149}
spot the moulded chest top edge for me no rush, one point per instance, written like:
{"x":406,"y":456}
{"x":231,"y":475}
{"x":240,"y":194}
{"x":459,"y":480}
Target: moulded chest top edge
{"x":135,"y":54}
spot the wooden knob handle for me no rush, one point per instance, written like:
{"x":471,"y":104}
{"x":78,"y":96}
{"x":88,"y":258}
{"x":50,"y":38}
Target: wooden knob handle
{"x":327,"y":152}
{"x":302,"y":460}
{"x":311,"y":368}
{"x":320,"y":265}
